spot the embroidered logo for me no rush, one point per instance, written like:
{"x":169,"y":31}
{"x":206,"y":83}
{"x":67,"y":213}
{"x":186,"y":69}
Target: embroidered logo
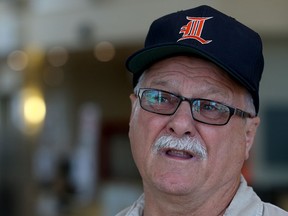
{"x":193,"y":29}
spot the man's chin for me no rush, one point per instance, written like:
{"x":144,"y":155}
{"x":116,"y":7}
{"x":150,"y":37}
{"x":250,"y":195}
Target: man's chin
{"x":176,"y":187}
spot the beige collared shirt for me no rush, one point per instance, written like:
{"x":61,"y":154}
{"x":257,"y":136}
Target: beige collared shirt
{"x":245,"y":203}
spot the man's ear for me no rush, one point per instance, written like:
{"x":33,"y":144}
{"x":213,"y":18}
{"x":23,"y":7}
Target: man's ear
{"x":133,"y":99}
{"x":251,"y":129}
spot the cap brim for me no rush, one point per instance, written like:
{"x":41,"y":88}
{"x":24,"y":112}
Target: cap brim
{"x":143,"y":59}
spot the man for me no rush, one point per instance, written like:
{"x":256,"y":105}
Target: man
{"x":194,"y":116}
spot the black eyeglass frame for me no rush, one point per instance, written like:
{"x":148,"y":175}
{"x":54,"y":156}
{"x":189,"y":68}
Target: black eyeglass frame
{"x":232,"y":110}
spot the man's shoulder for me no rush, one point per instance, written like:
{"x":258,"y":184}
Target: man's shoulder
{"x":247,"y":202}
{"x":271,"y":210}
{"x":124,"y":212}
{"x":135,"y":210}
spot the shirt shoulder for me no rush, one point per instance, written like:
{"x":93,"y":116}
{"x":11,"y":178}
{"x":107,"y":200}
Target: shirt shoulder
{"x":272,"y":210}
{"x":247,"y":202}
{"x":135,"y":210}
{"x":124,"y":212}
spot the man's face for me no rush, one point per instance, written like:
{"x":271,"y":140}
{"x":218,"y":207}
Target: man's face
{"x":227,"y":146}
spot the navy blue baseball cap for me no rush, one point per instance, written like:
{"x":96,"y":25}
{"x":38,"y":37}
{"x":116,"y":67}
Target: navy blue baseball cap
{"x":208,"y":33}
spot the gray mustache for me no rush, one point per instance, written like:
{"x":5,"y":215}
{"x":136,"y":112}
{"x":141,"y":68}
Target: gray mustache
{"x":191,"y":145}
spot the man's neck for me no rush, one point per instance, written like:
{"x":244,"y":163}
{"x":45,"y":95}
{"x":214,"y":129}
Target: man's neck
{"x":213,"y":203}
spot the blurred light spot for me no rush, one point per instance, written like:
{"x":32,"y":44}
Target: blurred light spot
{"x":104,"y":51}
{"x":17,"y":60}
{"x":57,"y":56}
{"x":34,"y":109}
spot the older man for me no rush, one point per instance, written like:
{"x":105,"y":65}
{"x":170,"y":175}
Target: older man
{"x":194,"y":116}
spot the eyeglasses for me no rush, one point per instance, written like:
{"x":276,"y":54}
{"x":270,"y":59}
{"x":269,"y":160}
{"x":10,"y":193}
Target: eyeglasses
{"x":203,"y":110}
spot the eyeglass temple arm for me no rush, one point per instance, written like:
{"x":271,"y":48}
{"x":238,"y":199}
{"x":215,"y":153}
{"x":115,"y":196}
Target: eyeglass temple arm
{"x":243,"y":114}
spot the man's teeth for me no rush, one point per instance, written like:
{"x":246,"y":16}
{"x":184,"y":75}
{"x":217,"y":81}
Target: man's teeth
{"x":179,"y":154}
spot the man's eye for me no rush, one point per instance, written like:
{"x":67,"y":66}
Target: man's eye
{"x":158,"y":99}
{"x":214,"y":107}
{"x":209,"y":107}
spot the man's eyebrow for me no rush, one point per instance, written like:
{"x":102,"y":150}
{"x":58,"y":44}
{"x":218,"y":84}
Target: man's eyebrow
{"x":158,"y":82}
{"x":210,"y":90}
{"x":165,"y":83}
{"x":206,"y":91}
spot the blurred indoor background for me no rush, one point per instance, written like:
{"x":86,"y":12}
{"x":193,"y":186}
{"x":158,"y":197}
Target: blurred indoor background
{"x":64,"y":106}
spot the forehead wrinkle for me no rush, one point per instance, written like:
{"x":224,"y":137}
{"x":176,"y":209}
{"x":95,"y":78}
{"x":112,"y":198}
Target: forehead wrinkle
{"x":165,"y":83}
{"x":216,"y":81}
{"x":208,"y":87}
{"x":209,"y":91}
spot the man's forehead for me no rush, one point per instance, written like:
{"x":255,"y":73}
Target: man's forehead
{"x":209,"y":86}
{"x":202,"y":81}
{"x":189,"y":66}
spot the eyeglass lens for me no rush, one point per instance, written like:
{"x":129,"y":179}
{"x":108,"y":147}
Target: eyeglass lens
{"x":166,"y":103}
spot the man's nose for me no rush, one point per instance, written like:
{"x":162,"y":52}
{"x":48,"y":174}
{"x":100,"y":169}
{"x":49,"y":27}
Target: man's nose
{"x":181,"y":122}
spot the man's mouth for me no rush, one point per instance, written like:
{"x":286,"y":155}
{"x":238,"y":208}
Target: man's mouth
{"x":180,"y":154}
{"x":185,"y":148}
